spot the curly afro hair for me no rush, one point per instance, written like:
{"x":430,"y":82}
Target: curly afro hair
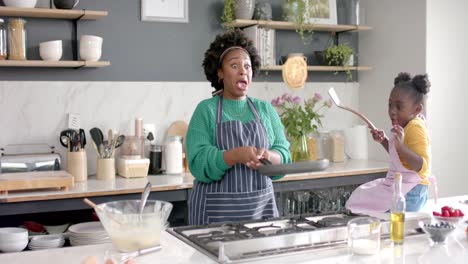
{"x":211,"y":62}
{"x":416,"y":86}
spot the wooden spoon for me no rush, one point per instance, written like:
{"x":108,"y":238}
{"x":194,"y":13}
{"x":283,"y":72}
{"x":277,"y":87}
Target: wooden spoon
{"x":336,"y":100}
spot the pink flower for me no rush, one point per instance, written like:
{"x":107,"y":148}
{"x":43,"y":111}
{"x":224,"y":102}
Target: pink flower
{"x":317,"y":97}
{"x":328,"y":103}
{"x":296,"y":100}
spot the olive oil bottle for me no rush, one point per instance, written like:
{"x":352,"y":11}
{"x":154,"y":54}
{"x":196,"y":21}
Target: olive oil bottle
{"x":397,"y":216}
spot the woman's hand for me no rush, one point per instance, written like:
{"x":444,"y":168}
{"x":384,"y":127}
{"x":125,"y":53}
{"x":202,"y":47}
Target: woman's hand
{"x":399,"y":134}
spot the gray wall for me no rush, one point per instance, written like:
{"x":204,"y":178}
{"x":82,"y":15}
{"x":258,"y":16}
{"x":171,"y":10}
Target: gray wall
{"x":152,"y":51}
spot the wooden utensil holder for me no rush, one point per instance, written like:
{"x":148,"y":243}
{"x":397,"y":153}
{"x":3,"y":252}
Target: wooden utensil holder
{"x":77,"y":165}
{"x":105,"y":169}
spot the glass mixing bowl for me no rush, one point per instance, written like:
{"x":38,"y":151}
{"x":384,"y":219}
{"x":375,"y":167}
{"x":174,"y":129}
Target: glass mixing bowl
{"x":131,"y":231}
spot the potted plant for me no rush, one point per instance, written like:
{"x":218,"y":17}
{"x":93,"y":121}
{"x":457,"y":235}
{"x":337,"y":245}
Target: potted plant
{"x":228,"y":13}
{"x":340,"y":55}
{"x":297,"y":11}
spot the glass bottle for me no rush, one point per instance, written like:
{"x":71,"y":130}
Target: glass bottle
{"x":397,"y":213}
{"x":337,"y":146}
{"x":155,"y":159}
{"x":3,"y":41}
{"x":173,"y":155}
{"x":324,"y":147}
{"x":16,"y":39}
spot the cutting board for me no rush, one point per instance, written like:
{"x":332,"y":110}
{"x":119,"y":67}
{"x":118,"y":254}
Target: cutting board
{"x":178,"y":128}
{"x":35,"y":180}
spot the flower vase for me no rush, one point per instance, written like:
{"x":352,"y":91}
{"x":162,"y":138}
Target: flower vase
{"x":299,"y":149}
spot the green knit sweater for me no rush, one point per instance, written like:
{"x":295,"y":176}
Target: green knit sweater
{"x":205,"y":160}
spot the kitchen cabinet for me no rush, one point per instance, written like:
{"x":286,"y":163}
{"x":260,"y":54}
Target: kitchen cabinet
{"x":46,"y":13}
{"x":285,"y":25}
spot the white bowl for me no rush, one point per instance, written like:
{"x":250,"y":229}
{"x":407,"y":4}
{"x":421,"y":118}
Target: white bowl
{"x":51,"y":50}
{"x":90,"y":41}
{"x":13,"y":239}
{"x":20,"y":3}
{"x":58,"y":229}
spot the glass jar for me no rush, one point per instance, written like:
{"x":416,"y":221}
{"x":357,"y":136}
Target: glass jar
{"x":337,"y":146}
{"x":16,"y":39}
{"x":324,"y":146}
{"x":3,"y":41}
{"x":312,"y":144}
{"x":173,"y":154}
{"x":155,"y":155}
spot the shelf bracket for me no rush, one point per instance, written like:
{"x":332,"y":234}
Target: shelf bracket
{"x":75,"y":36}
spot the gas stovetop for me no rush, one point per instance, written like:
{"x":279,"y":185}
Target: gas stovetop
{"x":244,"y":241}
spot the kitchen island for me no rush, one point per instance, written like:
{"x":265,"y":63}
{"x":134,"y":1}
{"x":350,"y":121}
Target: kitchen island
{"x":175,"y":188}
{"x":416,"y":249}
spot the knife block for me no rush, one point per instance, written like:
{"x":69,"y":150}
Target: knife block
{"x":77,"y":165}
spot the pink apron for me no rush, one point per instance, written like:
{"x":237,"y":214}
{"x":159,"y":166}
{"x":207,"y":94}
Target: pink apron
{"x":376,"y":195}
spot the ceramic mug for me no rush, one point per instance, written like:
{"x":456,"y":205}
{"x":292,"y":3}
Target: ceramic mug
{"x":65,"y":4}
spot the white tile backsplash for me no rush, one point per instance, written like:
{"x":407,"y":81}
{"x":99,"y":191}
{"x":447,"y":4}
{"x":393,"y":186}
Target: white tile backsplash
{"x":36,"y":112}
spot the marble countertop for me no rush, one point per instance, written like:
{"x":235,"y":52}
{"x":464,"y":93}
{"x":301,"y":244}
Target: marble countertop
{"x":415,"y":250}
{"x":120,"y":185}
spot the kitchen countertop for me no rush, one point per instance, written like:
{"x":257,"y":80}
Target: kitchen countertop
{"x":121,"y":185}
{"x":415,"y":250}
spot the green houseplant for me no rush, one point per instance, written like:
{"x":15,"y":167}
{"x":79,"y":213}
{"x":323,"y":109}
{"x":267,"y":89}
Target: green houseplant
{"x":297,"y":11}
{"x":228,"y":14}
{"x":340,"y":55}
{"x":299,"y":120}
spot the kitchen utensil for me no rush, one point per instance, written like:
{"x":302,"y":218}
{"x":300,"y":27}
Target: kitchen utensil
{"x":336,"y":100}
{"x":77,"y":165}
{"x":98,"y":139}
{"x":137,"y":231}
{"x":100,"y":210}
{"x":144,"y":196}
{"x":70,"y":139}
{"x":122,"y":257}
{"x":105,"y":169}
{"x":82,"y":138}
{"x":265,"y":162}
{"x":296,"y":167}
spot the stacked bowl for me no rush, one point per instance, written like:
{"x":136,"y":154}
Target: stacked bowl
{"x":13,"y":239}
{"x":45,"y":242}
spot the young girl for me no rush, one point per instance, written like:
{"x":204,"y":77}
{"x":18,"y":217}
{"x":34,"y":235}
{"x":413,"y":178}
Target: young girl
{"x":409,"y":149}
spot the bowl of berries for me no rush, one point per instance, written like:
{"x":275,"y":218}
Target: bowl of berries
{"x":448,"y":214}
{"x":437,"y":232}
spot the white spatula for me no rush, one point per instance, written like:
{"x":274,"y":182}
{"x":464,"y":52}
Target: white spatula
{"x":336,"y":100}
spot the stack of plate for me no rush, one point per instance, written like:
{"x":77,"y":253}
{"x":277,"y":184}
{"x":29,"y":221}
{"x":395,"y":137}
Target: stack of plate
{"x":47,"y":241}
{"x":87,"y":234}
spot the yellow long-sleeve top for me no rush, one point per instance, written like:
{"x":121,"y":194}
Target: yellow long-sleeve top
{"x":417,"y":140}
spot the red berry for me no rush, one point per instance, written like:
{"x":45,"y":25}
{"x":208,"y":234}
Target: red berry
{"x":445,"y":213}
{"x":454,"y":213}
{"x":460,"y":213}
{"x":434,"y":213}
{"x":446,"y":208}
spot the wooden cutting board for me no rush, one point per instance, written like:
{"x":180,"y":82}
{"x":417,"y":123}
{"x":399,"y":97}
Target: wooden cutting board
{"x":35,"y":180}
{"x":178,"y":128}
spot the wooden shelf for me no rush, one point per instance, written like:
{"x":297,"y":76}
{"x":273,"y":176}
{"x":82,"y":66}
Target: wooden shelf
{"x":319,"y":68}
{"x":285,"y":25}
{"x":52,"y":13}
{"x":54,"y":64}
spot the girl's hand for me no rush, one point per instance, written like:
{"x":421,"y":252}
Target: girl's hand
{"x":378,"y":135}
{"x":247,"y":156}
{"x":399,"y":134}
{"x":261,"y":154}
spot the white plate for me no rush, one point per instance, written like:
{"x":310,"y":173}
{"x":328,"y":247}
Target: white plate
{"x":87,"y":228}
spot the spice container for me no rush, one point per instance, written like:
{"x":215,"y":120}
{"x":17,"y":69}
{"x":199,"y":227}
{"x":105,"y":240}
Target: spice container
{"x":16,"y":39}
{"x":337,"y":146}
{"x":312,"y":146}
{"x":3,"y":41}
{"x":173,"y":155}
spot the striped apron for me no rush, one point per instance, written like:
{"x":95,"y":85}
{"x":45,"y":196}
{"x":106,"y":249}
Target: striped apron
{"x":243,"y":193}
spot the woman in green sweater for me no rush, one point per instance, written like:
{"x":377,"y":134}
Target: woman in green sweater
{"x":228,"y":135}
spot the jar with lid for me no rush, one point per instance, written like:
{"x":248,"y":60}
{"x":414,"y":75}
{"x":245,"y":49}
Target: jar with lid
{"x":312,"y":144}
{"x":324,"y":146}
{"x":337,"y":146}
{"x":173,"y":155}
{"x":16,"y":39}
{"x":3,"y":41}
